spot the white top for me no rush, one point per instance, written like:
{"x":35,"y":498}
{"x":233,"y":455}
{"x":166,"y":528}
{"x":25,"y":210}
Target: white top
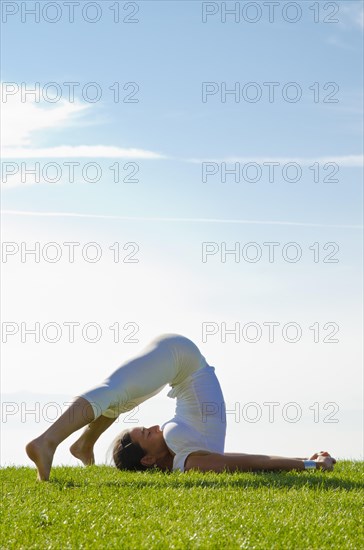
{"x":199,"y":423}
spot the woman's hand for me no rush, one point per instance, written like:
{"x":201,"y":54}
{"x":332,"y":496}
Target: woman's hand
{"x":324,"y":460}
{"x":322,"y":453}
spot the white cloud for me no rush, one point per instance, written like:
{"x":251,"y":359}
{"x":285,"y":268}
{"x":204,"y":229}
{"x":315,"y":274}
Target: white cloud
{"x":21,"y":120}
{"x":177,"y":220}
{"x":351,"y":14}
{"x":79,"y":151}
{"x":349,"y":161}
{"x":10,"y":180}
{"x":340,"y":43}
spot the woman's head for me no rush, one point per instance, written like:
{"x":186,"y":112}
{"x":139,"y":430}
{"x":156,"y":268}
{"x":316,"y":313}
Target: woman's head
{"x":139,"y":448}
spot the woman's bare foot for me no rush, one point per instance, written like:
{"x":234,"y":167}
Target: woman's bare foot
{"x":83,"y":453}
{"x":41,"y":452}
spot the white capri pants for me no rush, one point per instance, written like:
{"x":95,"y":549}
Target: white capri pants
{"x":168,"y":359}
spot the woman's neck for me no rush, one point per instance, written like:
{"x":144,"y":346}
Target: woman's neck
{"x":165,"y":463}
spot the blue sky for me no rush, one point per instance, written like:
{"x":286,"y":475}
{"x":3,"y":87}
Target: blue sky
{"x":168,"y":134}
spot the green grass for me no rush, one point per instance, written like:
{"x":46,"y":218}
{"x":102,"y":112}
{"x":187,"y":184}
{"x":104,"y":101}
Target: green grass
{"x":100,"y":507}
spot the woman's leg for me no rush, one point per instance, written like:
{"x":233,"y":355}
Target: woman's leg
{"x":42,"y":449}
{"x":134,"y":382}
{"x":83,"y":448}
{"x":168,"y":359}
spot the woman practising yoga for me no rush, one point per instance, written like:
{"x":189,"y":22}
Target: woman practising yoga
{"x":193,"y":439}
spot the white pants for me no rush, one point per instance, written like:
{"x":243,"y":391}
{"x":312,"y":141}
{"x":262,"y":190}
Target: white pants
{"x":168,"y":359}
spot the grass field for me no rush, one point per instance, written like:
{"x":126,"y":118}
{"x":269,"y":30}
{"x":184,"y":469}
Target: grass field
{"x":100,"y":507}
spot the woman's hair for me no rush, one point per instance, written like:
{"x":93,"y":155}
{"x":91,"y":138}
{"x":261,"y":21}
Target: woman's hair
{"x":126,"y":454}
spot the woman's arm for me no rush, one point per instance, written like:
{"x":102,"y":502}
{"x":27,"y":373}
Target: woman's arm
{"x":241,"y":454}
{"x":244,"y":462}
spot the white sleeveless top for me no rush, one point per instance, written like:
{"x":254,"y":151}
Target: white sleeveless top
{"x":199,"y":423}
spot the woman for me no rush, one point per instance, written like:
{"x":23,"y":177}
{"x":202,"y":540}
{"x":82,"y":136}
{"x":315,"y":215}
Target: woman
{"x":193,"y":439}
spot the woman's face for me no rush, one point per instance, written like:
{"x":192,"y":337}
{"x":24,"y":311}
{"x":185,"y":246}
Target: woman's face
{"x":150,"y":439}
